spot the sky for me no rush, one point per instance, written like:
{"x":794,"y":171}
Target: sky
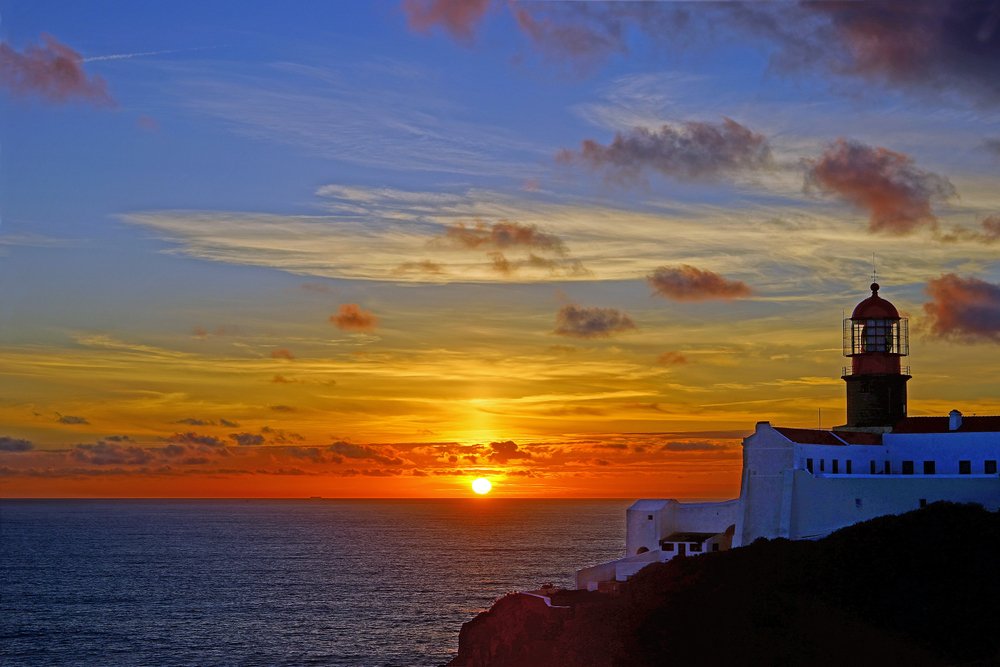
{"x":380,"y":249}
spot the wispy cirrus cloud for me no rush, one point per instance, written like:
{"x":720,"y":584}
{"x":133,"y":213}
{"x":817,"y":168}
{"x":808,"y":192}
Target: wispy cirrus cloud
{"x":965,"y":308}
{"x":387,"y":234}
{"x":888,"y":185}
{"x":51,"y":71}
{"x":689,"y":283}
{"x":988,"y":232}
{"x":384,"y":114}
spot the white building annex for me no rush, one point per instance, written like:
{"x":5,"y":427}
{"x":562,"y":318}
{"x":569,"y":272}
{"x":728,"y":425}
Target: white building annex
{"x":805,"y":483}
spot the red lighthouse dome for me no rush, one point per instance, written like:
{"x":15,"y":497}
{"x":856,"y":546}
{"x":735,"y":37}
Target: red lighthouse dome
{"x":875,"y":338}
{"x":875,"y":307}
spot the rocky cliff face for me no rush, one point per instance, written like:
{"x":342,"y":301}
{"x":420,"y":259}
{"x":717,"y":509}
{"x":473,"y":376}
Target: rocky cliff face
{"x":916,"y":589}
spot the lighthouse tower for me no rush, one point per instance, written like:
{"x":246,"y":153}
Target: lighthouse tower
{"x":875,"y":338}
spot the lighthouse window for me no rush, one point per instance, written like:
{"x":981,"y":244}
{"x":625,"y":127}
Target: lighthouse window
{"x":990,"y":467}
{"x":809,"y":465}
{"x":965,"y":467}
{"x":928,"y":467}
{"x":835,"y":466}
{"x":907,"y":467}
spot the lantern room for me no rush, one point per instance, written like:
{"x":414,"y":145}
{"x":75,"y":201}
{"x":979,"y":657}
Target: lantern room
{"x":875,"y":337}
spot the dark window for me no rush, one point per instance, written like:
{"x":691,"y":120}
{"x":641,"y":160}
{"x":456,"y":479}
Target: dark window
{"x":848,"y":464}
{"x":871,"y":468}
{"x":822,"y":465}
{"x":888,"y":468}
{"x":835,"y":466}
{"x":695,"y":547}
{"x":990,"y":467}
{"x":667,"y":546}
{"x":649,"y":517}
{"x":857,"y":502}
{"x":923,"y":503}
{"x":965,"y":467}
{"x":907,"y":467}
{"x":715,"y":546}
{"x":809,"y":465}
{"x":929,"y":467}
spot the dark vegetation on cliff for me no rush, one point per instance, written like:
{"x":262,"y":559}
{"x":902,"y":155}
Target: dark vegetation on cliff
{"x":922,"y":588}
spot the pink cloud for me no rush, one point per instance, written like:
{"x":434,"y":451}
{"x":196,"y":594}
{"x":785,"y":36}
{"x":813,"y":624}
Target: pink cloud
{"x":502,"y":235}
{"x":692,"y":151}
{"x":581,"y":322}
{"x":963,"y":308}
{"x":351,"y":317}
{"x":282,"y":353}
{"x":147,"y":123}
{"x":458,"y":17}
{"x":671,"y":359}
{"x":52,"y":71}
{"x":688,"y":283}
{"x":888,"y":185}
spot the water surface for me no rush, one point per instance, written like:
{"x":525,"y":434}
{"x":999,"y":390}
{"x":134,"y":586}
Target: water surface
{"x":277,"y":582}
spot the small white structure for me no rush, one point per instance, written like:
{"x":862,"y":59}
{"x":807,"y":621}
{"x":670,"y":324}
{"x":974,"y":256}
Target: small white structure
{"x":805,"y":483}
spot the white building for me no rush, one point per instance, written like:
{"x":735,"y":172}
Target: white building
{"x":805,"y":483}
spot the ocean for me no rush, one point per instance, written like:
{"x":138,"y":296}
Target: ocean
{"x":277,"y":582}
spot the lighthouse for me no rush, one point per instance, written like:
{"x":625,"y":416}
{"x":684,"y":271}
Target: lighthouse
{"x":875,"y":339}
{"x":803,"y":483}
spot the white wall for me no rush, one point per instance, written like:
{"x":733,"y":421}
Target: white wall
{"x":946,"y":449}
{"x":640,"y":530}
{"x":766,"y":455}
{"x":671,"y":516}
{"x":823,"y":504}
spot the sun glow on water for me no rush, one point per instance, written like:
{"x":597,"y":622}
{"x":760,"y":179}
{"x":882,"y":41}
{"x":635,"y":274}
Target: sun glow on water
{"x":481,"y":486}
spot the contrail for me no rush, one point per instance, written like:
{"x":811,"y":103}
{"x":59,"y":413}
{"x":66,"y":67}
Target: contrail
{"x":126,"y":56}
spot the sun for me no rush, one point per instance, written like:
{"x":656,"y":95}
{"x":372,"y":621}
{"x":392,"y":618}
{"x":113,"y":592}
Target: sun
{"x":481,"y":486}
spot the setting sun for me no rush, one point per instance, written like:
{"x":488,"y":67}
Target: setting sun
{"x":481,"y":486}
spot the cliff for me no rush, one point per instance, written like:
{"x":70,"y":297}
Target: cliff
{"x":922,"y":588}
